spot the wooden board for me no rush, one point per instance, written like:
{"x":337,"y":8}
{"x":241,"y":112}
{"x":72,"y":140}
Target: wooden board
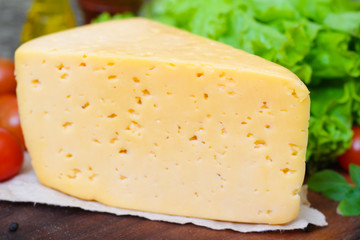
{"x":49,"y":222}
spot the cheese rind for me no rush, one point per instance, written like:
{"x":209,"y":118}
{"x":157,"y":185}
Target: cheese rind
{"x":138,"y":115}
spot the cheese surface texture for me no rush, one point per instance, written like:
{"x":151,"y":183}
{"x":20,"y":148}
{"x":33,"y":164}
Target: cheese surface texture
{"x":139,"y":115}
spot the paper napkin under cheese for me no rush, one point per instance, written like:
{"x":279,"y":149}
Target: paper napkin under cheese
{"x":26,"y":188}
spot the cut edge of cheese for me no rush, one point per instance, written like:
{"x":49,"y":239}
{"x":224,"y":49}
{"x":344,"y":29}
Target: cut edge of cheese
{"x":149,"y":117}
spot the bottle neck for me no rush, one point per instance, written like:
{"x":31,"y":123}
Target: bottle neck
{"x":52,"y":5}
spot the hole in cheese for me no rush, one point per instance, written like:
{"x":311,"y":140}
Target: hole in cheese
{"x":133,"y":126}
{"x":92,"y":176}
{"x":221,"y":86}
{"x":131,"y":111}
{"x":64,"y":76}
{"x":145,"y":92}
{"x":67,"y":124}
{"x":229,"y":79}
{"x":294,"y":148}
{"x":295,"y":191}
{"x":259,"y":143}
{"x":36,"y":83}
{"x":123,"y":151}
{"x":287,"y":171}
{"x":136,"y":80}
{"x":138,"y":100}
{"x":74,"y":173}
{"x":122,"y":177}
{"x":264,"y":106}
{"x":87,"y":104}
{"x":152,"y":154}
{"x":60,"y":66}
{"x":294,"y":94}
{"x":193,"y":138}
{"x":113,"y":115}
{"x":199,"y":74}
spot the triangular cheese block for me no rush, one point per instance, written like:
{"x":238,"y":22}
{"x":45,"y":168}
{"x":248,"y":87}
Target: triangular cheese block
{"x":138,"y":115}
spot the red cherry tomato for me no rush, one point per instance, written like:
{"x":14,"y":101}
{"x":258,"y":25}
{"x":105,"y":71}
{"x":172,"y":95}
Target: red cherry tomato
{"x":7,"y":77}
{"x":9,"y":116}
{"x":11,"y":155}
{"x":352,"y":155}
{"x":4,"y":98}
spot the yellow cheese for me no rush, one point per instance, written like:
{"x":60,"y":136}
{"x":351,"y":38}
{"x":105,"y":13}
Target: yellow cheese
{"x":138,"y":115}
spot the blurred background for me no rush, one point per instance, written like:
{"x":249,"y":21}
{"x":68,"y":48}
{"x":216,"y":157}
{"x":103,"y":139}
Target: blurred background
{"x":12,"y":18}
{"x":23,"y":20}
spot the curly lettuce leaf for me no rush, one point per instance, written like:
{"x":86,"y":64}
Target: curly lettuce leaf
{"x":352,"y":20}
{"x":330,"y":124}
{"x":355,"y":92}
{"x":331,"y":58}
{"x":317,"y":10}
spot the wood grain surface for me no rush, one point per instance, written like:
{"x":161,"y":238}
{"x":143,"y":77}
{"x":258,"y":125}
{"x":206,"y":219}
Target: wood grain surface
{"x":49,"y":222}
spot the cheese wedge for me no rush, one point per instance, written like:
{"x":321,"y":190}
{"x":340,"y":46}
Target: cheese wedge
{"x":138,"y":115}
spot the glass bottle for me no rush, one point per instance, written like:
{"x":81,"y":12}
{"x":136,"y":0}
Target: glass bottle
{"x":47,"y":16}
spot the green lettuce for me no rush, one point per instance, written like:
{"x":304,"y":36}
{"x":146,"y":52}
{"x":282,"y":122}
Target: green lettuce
{"x":330,"y":124}
{"x":106,"y":17}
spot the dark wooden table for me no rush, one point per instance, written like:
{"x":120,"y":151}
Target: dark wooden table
{"x":49,"y":222}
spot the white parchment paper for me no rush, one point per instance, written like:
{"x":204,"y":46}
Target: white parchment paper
{"x":26,"y":188}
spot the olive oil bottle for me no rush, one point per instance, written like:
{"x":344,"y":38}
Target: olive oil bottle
{"x":47,"y":16}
